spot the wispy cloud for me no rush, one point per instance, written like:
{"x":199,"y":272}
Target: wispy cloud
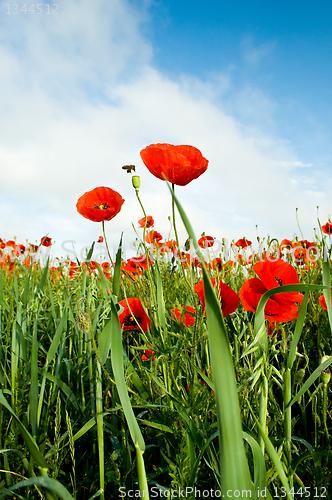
{"x":254,"y":53}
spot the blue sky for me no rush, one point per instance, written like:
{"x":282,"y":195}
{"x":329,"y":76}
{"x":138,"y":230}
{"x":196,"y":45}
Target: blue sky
{"x":83,"y":91}
{"x":281,"y":49}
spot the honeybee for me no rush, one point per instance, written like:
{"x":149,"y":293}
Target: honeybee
{"x":129,"y":168}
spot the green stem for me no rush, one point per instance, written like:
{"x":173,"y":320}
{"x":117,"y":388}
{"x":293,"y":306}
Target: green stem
{"x":263,"y":410}
{"x":100,"y":428}
{"x":154,"y":300}
{"x":108,"y":250}
{"x":288,"y":421}
{"x":325,"y":410}
{"x":176,"y":233}
{"x":50,"y":495}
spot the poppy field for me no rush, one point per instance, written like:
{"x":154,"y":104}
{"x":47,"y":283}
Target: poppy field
{"x":178,"y":373}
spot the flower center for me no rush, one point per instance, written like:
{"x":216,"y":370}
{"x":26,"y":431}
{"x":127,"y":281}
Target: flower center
{"x":131,"y":320}
{"x":102,"y":206}
{"x":279,"y":280}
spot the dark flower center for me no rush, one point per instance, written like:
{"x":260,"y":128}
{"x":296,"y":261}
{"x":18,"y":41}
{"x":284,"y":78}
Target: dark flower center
{"x":131,"y":320}
{"x":279,"y":280}
{"x":102,"y":206}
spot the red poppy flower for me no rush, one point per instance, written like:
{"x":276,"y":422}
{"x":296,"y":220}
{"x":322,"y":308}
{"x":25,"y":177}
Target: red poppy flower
{"x":299,"y":255}
{"x":148,"y":353}
{"x":243,"y":243}
{"x":20,"y":249}
{"x":153,"y":237}
{"x":90,"y":265}
{"x":11,"y":243}
{"x":106,"y":267}
{"x":186,"y":315}
{"x":46,"y":241}
{"x":229,"y":300}
{"x":33,"y":248}
{"x":327,"y":228}
{"x":136,"y":264}
{"x":286,"y":244}
{"x":100,"y":239}
{"x":179,"y":164}
{"x":206,"y":241}
{"x":100,"y":204}
{"x":217,"y":264}
{"x":281,"y":307}
{"x":304,"y":244}
{"x":149,"y":221}
{"x":133,"y":315}
{"x":322,"y":302}
{"x":171,"y":244}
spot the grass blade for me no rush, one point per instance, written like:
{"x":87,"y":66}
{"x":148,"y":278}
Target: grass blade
{"x":233,"y":462}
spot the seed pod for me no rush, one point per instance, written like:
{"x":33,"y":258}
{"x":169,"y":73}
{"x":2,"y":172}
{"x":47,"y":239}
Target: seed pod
{"x":326,"y":374}
{"x":136,"y":181}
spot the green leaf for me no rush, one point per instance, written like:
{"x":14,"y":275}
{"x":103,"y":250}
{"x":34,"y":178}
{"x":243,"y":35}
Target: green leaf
{"x":44,"y":276}
{"x":259,"y":463}
{"x":314,"y":376}
{"x":118,"y":371}
{"x":28,"y":439}
{"x":43,"y":482}
{"x":117,"y":270}
{"x":298,"y":330}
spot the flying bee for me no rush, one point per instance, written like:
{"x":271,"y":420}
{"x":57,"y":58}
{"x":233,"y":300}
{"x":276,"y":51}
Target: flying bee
{"x":129,"y":168}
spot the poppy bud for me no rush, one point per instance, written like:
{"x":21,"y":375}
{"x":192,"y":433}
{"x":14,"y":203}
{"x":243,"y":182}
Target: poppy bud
{"x":326,"y":375}
{"x":136,"y":181}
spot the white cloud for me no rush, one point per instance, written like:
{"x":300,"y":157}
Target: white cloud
{"x":79,"y":98}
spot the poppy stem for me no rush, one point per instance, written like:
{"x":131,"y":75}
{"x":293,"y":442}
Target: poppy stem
{"x":105,"y":239}
{"x":176,"y":233}
{"x":154,"y":299}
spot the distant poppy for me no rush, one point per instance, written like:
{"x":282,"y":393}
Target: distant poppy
{"x":280,"y":307}
{"x":286,"y":244}
{"x":100,"y":204}
{"x":20,"y":249}
{"x":171,"y":244}
{"x":322,"y":302}
{"x":149,"y":221}
{"x":206,"y":241}
{"x":304,"y":244}
{"x":100,"y":239}
{"x":327,"y":228}
{"x":179,"y":164}
{"x":217,"y":264}
{"x":148,"y":353}
{"x":11,"y":243}
{"x":136,"y":264}
{"x":186,"y":315}
{"x":243,"y":243}
{"x":90,"y":265}
{"x":133,"y":315}
{"x":299,"y":255}
{"x":33,"y":248}
{"x":153,"y":237}
{"x":229,"y":300}
{"x":106,"y":267}
{"x":46,"y":241}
